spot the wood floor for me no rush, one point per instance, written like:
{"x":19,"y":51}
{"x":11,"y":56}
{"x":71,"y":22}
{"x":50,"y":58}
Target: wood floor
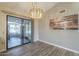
{"x":38,"y":49}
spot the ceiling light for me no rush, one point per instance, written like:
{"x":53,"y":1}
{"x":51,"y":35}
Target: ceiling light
{"x":35,"y":12}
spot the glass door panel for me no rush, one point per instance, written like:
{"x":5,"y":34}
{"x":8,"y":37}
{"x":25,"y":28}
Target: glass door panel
{"x":27,"y":31}
{"x":14,"y":32}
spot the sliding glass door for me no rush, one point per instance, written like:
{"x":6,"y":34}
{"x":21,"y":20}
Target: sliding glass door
{"x":27,"y":31}
{"x":19,"y":31}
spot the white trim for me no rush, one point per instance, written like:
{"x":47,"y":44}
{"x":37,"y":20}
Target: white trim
{"x":60,"y":46}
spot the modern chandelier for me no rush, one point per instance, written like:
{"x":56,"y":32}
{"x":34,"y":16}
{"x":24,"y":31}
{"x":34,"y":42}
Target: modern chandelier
{"x":35,"y":12}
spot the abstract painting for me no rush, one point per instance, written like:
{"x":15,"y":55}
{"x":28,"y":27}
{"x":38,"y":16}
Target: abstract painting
{"x":67,"y":22}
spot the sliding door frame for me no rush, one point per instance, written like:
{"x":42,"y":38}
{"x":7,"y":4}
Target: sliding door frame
{"x":32,"y":30}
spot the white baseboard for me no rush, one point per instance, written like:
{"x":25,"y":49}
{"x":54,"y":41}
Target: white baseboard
{"x":60,"y":46}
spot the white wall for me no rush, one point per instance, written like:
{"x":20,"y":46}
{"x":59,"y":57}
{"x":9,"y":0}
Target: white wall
{"x":36,"y":38}
{"x":65,"y":38}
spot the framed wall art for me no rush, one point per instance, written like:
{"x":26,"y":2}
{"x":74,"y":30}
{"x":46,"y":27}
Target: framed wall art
{"x":69,"y":22}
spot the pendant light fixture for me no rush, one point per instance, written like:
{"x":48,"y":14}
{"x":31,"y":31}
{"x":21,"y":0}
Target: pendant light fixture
{"x":35,"y":12}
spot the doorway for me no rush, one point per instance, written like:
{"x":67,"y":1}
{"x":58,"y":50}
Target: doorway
{"x":19,"y":31}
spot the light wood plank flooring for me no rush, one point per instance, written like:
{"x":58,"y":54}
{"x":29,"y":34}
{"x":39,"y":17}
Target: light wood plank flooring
{"x":38,"y":49}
